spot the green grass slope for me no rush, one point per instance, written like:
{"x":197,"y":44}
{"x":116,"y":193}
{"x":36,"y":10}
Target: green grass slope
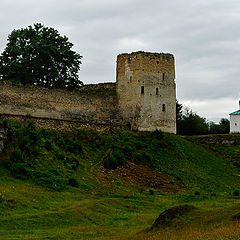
{"x":50,"y":187}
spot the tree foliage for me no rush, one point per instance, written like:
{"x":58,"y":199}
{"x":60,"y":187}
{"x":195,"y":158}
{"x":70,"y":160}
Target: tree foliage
{"x":222,"y":127}
{"x":179,"y":111}
{"x":41,"y":56}
{"x":190,"y":123}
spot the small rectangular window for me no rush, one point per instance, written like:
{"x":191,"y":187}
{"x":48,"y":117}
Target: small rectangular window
{"x":163,"y":107}
{"x":156,"y":91}
{"x":163,"y":76}
{"x":142,"y":89}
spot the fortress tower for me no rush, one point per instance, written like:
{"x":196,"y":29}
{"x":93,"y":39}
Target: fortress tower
{"x":146,"y":90}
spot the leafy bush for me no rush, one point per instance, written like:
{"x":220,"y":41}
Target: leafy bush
{"x":114,"y":160}
{"x":74,"y":162}
{"x":60,"y":141}
{"x":142,"y":157}
{"x":236,"y":193}
{"x":22,"y":171}
{"x":17,"y":156}
{"x":60,"y":156}
{"x":52,"y":178}
{"x":73,"y":146}
{"x":151,"y":192}
{"x":158,"y":134}
{"x":73,"y":182}
{"x":197,"y":193}
{"x":48,"y":145}
{"x":38,"y":156}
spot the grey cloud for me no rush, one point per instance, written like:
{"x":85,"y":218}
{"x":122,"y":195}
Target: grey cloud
{"x":203,"y":35}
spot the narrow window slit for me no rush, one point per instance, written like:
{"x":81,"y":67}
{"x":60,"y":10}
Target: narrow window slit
{"x":163,"y":107}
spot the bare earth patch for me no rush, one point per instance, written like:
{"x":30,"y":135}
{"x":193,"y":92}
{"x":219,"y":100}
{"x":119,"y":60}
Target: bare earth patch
{"x":140,"y":175}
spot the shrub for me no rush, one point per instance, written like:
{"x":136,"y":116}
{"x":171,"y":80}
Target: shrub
{"x":23,"y":143}
{"x":143,"y":157}
{"x":151,"y":192}
{"x":74,"y":162}
{"x":158,"y":134}
{"x":114,"y":160}
{"x":236,"y":193}
{"x":52,"y":178}
{"x":197,"y":193}
{"x":60,"y":156}
{"x":73,"y":182}
{"x":73,"y":146}
{"x":22,"y":171}
{"x":126,"y":149}
{"x":4,"y":124}
{"x":45,"y":133}
{"x":48,"y":145}
{"x":33,"y":135}
{"x":17,"y":156}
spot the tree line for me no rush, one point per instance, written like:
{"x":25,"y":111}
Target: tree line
{"x":190,"y":123}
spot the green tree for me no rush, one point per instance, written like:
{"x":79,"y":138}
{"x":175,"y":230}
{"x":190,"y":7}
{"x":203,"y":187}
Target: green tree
{"x":214,"y":128}
{"x":179,"y":111}
{"x":191,"y":123}
{"x":222,"y":127}
{"x":41,"y":56}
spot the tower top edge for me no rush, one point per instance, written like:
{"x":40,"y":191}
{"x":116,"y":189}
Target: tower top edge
{"x":147,"y":54}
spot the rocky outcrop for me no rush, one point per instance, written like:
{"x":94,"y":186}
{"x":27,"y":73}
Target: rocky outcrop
{"x":3,"y":136}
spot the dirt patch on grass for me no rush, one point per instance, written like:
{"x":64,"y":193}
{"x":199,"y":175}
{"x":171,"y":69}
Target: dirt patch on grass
{"x":140,"y":175}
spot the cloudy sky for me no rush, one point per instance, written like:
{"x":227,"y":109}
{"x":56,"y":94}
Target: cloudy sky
{"x":203,"y":35}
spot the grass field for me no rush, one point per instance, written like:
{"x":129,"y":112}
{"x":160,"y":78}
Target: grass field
{"x":91,"y":185}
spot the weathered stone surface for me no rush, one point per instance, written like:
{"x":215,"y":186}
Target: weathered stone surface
{"x":65,"y":125}
{"x":146,"y":90}
{"x":57,"y":104}
{"x":105,"y":105}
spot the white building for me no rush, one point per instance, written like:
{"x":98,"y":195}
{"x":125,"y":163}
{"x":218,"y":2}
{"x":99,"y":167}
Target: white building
{"x":235,"y":121}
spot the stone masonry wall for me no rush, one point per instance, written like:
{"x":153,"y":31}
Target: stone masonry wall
{"x":73,"y":108}
{"x":146,"y":90}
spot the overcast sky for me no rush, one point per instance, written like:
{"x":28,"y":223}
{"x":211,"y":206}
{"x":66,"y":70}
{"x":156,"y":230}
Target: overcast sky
{"x":203,"y":35}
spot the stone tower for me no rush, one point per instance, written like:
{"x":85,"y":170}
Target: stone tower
{"x":146,"y":90}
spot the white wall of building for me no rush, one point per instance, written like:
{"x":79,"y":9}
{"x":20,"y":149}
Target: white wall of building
{"x":234,"y":123}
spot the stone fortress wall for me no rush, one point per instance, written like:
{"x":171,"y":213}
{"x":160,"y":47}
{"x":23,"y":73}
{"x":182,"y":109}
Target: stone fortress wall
{"x":102,"y":106}
{"x":60,"y":108}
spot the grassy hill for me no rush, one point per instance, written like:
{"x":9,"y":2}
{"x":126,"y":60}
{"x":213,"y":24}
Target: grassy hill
{"x":94,"y":185}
